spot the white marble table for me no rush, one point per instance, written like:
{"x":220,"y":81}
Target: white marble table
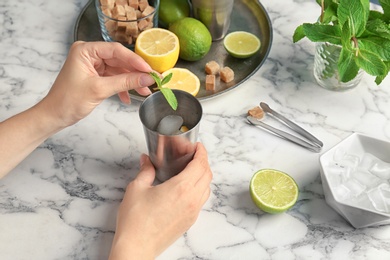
{"x":60,"y":202}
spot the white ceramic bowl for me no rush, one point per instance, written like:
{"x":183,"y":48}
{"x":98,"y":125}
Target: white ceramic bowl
{"x":354,"y":210}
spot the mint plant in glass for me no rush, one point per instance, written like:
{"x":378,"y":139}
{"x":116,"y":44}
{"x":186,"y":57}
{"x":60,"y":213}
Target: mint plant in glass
{"x":350,"y":39}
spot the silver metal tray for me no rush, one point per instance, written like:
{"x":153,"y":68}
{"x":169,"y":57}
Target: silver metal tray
{"x":248,"y":15}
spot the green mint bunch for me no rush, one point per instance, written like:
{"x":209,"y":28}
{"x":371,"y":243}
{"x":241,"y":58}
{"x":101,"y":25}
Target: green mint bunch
{"x":167,"y":92}
{"x":363,"y":34}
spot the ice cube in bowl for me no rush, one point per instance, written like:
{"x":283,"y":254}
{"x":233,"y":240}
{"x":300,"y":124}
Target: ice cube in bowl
{"x":352,"y":201}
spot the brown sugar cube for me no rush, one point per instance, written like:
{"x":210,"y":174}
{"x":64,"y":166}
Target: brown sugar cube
{"x":256,"y":112}
{"x":149,"y":26}
{"x":212,"y":68}
{"x":122,"y":25}
{"x":118,"y":11}
{"x":134,"y":4}
{"x":121,"y":37}
{"x":128,"y":8}
{"x":107,"y":3}
{"x":139,"y":14}
{"x":130,"y":40}
{"x":142,"y":4}
{"x":130,"y":13}
{"x":226,"y":74}
{"x":135,"y":36}
{"x":121,"y":2}
{"x":143,"y":24}
{"x":132,"y":28}
{"x":106,"y":11}
{"x":210,"y":82}
{"x":111,"y":26}
{"x":148,"y":10}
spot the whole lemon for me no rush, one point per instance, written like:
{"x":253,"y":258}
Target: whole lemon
{"x":172,"y":10}
{"x":194,"y":38}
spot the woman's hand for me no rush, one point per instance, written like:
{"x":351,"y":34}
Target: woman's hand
{"x":93,"y":72}
{"x":151,"y":218}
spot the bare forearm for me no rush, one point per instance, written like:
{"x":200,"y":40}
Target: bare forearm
{"x":22,"y":133}
{"x":130,"y":249}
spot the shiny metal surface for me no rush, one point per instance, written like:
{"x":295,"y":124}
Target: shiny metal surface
{"x":248,"y":15}
{"x":291,"y":124}
{"x":170,"y":153}
{"x":215,"y":14}
{"x":284,"y":135}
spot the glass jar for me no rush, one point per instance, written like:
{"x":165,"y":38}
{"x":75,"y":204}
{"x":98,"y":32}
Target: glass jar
{"x":122,"y":21}
{"x":326,"y":72}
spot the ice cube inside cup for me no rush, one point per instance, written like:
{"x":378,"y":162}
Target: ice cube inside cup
{"x":355,"y":176}
{"x":171,"y":125}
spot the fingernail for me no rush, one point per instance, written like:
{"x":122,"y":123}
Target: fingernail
{"x":146,"y":80}
{"x":142,"y":160}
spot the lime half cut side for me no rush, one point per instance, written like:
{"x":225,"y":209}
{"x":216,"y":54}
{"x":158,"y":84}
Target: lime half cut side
{"x":273,"y":191}
{"x":241,"y":44}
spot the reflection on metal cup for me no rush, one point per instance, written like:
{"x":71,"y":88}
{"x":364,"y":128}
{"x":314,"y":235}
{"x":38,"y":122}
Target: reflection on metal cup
{"x":215,"y":14}
{"x":170,"y":154}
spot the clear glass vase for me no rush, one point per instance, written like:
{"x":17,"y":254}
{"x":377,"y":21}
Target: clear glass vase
{"x":325,"y":68}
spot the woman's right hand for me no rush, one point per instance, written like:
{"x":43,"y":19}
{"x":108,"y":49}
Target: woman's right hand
{"x":151,"y":218}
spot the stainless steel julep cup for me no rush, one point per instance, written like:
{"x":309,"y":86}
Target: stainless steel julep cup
{"x":215,"y":14}
{"x":170,"y":154}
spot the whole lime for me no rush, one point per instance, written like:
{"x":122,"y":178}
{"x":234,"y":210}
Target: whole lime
{"x":172,"y":10}
{"x":194,"y":38}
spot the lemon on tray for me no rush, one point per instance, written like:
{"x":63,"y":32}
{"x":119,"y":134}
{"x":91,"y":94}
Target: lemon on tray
{"x":183,"y":79}
{"x":241,"y":44}
{"x":159,"y":48}
{"x":273,"y":191}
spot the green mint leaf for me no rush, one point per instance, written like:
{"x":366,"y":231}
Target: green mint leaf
{"x":347,"y":66}
{"x":156,"y":78}
{"x":375,"y":15}
{"x":299,"y":34}
{"x":378,"y":28}
{"x":386,"y":9}
{"x":167,"y":92}
{"x":166,"y":79}
{"x":371,"y":63}
{"x":330,"y":12}
{"x":170,"y":97}
{"x":327,"y":3}
{"x":379,"y":79}
{"x":377,"y":45}
{"x":346,"y":36}
{"x":357,"y":12}
{"x":322,"y":33}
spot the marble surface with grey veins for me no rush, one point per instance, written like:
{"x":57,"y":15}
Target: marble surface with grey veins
{"x":61,"y":201}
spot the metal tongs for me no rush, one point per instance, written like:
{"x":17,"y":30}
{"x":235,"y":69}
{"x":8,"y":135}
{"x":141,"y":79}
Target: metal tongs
{"x":314,"y":144}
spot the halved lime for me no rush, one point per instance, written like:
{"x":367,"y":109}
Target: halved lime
{"x":273,"y":191}
{"x":241,"y":44}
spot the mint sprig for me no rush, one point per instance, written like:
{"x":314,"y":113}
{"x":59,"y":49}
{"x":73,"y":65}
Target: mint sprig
{"x":167,"y":92}
{"x":363,"y":34}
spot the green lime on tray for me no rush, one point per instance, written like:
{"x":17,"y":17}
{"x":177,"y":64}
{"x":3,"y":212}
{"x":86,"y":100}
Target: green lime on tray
{"x":241,"y":44}
{"x":194,"y":38}
{"x":273,"y":191}
{"x":173,"y":10}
